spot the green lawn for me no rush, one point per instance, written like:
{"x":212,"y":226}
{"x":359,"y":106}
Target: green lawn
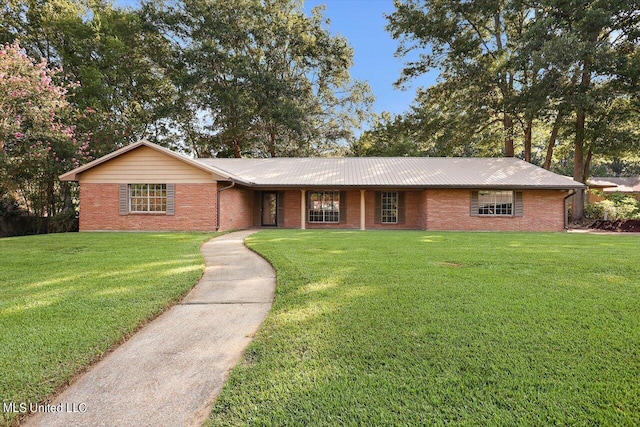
{"x":65,"y":299}
{"x":424,"y":328}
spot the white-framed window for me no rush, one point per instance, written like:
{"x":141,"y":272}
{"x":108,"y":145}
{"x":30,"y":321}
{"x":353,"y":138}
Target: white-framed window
{"x":495,"y":203}
{"x":324,"y":206}
{"x":148,"y":198}
{"x":389,"y":205}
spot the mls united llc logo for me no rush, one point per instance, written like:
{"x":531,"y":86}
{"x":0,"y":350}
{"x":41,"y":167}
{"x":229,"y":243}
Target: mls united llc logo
{"x":24,"y":407}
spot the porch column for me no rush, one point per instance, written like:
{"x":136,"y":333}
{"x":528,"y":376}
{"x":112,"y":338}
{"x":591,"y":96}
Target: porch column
{"x":303,"y":216}
{"x":362,"y":213}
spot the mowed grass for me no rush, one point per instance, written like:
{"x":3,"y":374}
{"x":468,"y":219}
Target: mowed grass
{"x":424,"y":328}
{"x":65,"y":299}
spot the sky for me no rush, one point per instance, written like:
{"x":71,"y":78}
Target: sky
{"x":362,"y":23}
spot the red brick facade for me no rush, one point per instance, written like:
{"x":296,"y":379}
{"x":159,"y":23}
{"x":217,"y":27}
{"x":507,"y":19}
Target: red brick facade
{"x":543,"y":210}
{"x":195,"y":210}
{"x":236,"y":208}
{"x":439,"y":210}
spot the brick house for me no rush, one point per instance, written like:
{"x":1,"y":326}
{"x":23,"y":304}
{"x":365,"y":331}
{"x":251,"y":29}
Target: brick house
{"x":147,"y":187}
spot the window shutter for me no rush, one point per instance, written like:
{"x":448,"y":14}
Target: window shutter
{"x":401,"y":207}
{"x":343,"y":206}
{"x":257,"y":208}
{"x":474,"y":203}
{"x":377,"y":217}
{"x":171,"y":196}
{"x":280,"y":213}
{"x":123,"y":199}
{"x":519,"y":205}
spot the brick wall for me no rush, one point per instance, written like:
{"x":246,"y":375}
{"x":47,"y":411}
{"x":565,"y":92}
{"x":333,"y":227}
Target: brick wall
{"x":292,"y":208}
{"x":236,"y":208}
{"x":413,"y":212}
{"x":195,"y":210}
{"x":443,"y":210}
{"x":543,"y":210}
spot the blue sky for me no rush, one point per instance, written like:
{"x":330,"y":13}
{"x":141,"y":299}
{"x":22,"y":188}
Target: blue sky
{"x":362,"y":23}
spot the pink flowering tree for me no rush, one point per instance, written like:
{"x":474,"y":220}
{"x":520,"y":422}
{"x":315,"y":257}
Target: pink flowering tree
{"x":37,"y":138}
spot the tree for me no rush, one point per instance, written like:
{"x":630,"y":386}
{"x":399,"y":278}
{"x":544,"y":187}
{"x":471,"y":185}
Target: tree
{"x":37,"y":141}
{"x":472,"y":43}
{"x":259,"y":78}
{"x":594,"y":43}
{"x":522,"y":64}
{"x":116,"y":56}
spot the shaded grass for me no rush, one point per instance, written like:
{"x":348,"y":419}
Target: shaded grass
{"x":65,"y":299}
{"x":419,"y":328}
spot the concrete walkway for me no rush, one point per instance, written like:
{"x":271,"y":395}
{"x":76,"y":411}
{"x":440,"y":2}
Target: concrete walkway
{"x":170,"y":372}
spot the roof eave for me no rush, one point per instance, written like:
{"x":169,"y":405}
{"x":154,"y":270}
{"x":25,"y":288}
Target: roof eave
{"x":420,"y":186}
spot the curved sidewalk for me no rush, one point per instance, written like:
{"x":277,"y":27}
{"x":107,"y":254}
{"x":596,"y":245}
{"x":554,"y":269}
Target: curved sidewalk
{"x":170,"y":372}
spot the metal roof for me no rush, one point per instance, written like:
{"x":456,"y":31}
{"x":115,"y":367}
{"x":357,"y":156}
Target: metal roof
{"x":421,"y":172}
{"x":629,"y":184}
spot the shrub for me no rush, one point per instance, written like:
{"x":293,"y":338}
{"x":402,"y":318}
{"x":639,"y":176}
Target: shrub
{"x":615,"y":206}
{"x":64,"y":222}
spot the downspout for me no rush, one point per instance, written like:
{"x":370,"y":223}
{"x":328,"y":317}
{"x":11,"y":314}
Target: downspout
{"x":220,"y":190}
{"x":564,"y":201}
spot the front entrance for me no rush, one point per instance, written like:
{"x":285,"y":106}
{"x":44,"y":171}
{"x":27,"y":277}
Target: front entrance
{"x":269,"y":209}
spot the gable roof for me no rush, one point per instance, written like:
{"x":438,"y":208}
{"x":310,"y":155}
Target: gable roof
{"x":73,"y":174}
{"x":629,"y":184}
{"x":377,"y":172}
{"x":421,"y":172}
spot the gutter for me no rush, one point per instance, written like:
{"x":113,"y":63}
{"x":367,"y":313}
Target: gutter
{"x":564,"y":201}
{"x":220,"y":190}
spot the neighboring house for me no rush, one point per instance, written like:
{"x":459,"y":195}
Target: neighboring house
{"x":626,"y":185}
{"x":146,"y":187}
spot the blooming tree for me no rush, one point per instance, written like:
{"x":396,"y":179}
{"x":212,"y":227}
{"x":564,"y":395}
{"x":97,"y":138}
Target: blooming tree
{"x":37,"y":140}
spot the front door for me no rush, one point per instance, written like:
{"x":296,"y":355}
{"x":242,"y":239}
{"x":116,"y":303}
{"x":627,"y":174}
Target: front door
{"x":269,"y":208}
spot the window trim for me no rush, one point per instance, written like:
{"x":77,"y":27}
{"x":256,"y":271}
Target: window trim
{"x":396,"y":209}
{"x":164,"y":199}
{"x":334,"y":212}
{"x":495,"y":200}
{"x":517,"y":205}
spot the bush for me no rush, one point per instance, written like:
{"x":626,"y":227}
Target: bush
{"x":615,"y":206}
{"x":64,"y":222}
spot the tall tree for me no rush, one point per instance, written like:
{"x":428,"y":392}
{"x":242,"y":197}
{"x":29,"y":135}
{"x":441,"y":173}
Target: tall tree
{"x":260,"y":78}
{"x":527,"y":63}
{"x":594,"y":43}
{"x":472,"y":44}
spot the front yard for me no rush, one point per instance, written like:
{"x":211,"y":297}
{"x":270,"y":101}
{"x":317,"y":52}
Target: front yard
{"x":423,"y":328}
{"x":65,"y":299}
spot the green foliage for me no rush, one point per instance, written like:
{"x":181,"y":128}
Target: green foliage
{"x":557,"y":78}
{"x":616,"y":206}
{"x":259,"y":78}
{"x":428,"y":328}
{"x":66,"y":299}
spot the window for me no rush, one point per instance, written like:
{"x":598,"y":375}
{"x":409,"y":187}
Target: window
{"x":324,"y":206}
{"x":389,"y":205}
{"x":147,"y":198}
{"x":495,"y":203}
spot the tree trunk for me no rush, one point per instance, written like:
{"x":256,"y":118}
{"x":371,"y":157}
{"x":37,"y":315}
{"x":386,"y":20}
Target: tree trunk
{"x":578,"y":152}
{"x":527,"y":139}
{"x":552,"y":141}
{"x":237,"y":153}
{"x":578,"y":166}
{"x":508,"y":139}
{"x":272,"y":143}
{"x":587,"y":165}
